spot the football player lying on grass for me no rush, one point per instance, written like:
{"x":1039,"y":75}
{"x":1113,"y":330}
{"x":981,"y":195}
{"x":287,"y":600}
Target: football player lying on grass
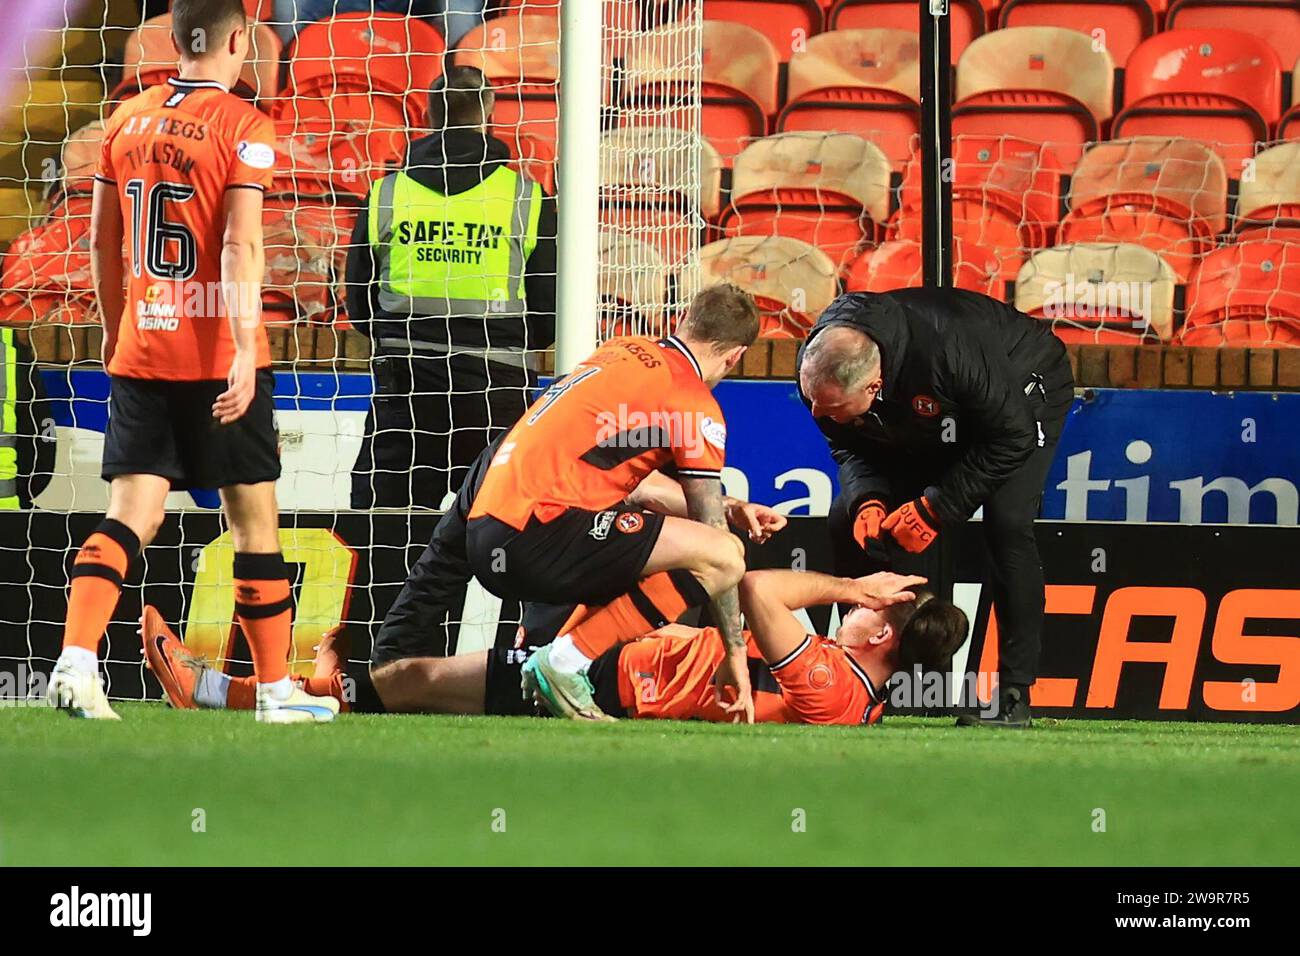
{"x":797,"y":677}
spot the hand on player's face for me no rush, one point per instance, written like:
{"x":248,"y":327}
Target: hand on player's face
{"x":884,"y":588}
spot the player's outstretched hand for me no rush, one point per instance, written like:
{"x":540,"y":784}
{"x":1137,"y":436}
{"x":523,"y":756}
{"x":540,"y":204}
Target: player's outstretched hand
{"x":884,"y":588}
{"x":759,"y":521}
{"x":731,"y":688}
{"x":234,"y":401}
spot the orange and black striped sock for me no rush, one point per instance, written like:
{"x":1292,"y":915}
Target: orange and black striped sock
{"x":264,"y":609}
{"x":97,"y":575}
{"x":657,"y":600}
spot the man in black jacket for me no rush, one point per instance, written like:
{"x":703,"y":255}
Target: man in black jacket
{"x":936,"y":402}
{"x":451,"y":275}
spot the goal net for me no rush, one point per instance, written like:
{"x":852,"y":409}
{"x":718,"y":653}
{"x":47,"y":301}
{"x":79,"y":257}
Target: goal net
{"x":349,"y":94}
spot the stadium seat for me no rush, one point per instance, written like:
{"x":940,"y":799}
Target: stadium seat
{"x":336,"y":159}
{"x":1006,"y":196}
{"x":46,"y":275}
{"x":1225,"y":85}
{"x":737,"y":95}
{"x":648,"y":185}
{"x":967,"y":18}
{"x":520,"y":56}
{"x":1288,"y":127}
{"x":1123,"y":24}
{"x":1100,"y":293}
{"x":306,"y":250}
{"x":1276,"y":22}
{"x":897,"y":264}
{"x":786,"y":23}
{"x":632,"y":285}
{"x":620,"y":17}
{"x":376,"y":68}
{"x":1246,"y":293}
{"x":1270,"y":196}
{"x":1169,"y":195}
{"x":1044,"y":84}
{"x":791,"y":281}
{"x":829,"y":189}
{"x":79,"y":158}
{"x":150,"y":58}
{"x":865,"y":82}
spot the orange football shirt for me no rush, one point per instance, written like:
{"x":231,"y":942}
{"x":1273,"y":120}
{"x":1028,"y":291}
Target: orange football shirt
{"x":636,"y":405}
{"x":172,"y":152}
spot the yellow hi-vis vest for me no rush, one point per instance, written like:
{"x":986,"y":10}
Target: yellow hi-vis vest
{"x":8,"y":422}
{"x":462,"y":255}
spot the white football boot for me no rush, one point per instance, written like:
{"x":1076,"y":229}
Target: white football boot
{"x":79,"y":694}
{"x":299,"y":707}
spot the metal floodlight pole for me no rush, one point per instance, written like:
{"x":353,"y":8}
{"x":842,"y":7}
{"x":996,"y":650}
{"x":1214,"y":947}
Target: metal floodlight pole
{"x":936,"y":142}
{"x":578,"y":163}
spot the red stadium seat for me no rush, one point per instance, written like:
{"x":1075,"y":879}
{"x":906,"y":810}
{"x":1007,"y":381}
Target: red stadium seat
{"x":786,"y":23}
{"x":1225,"y":85}
{"x":306,"y":249}
{"x":1100,"y":293}
{"x":520,"y":56}
{"x":865,"y":82}
{"x":737,"y":94}
{"x":1044,"y":84}
{"x":1276,"y":22}
{"x":1169,"y":195}
{"x":967,"y":18}
{"x":46,"y":276}
{"x":1120,"y":24}
{"x":1006,"y":194}
{"x":897,"y":264}
{"x":1271,"y":194}
{"x":791,"y":281}
{"x":1246,"y":293}
{"x":365,"y":67}
{"x":334,"y":158}
{"x":829,"y":189}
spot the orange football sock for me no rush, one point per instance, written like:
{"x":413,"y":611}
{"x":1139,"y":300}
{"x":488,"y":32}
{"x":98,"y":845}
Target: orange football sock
{"x":264,"y":609}
{"x":242,"y":693}
{"x":331,"y":685}
{"x":657,"y":600}
{"x":97,"y":575}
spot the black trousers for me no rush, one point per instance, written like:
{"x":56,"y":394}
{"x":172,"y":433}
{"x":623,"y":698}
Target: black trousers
{"x":1015,"y":568}
{"x":431,"y":417}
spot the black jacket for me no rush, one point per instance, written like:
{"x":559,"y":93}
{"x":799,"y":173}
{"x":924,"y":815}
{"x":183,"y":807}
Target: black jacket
{"x":454,"y":162}
{"x":954,"y":405}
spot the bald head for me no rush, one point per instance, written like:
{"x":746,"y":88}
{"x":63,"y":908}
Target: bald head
{"x":841,"y":356}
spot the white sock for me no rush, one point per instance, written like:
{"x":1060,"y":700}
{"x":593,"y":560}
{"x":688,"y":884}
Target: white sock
{"x":211,"y":690}
{"x":78,"y":658}
{"x":278,"y":690}
{"x":566,"y":656}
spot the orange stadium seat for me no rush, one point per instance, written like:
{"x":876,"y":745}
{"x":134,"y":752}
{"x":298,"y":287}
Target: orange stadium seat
{"x":1276,"y":22}
{"x":520,"y":55}
{"x":1100,"y":293}
{"x":1123,"y":24}
{"x":786,"y":23}
{"x":1169,"y":195}
{"x":1245,"y":293}
{"x":334,"y":158}
{"x":1045,"y":84}
{"x":1224,"y":84}
{"x":1270,"y":196}
{"x":149,"y":59}
{"x":791,"y":281}
{"x":967,"y":18}
{"x":620,"y":17}
{"x":1006,"y":197}
{"x":79,"y":158}
{"x":865,"y":82}
{"x":306,"y":250}
{"x":1288,"y":127}
{"x":648,"y":180}
{"x":737,"y":95}
{"x":377,"y":68}
{"x":829,"y":189}
{"x":897,"y":264}
{"x":46,"y":276}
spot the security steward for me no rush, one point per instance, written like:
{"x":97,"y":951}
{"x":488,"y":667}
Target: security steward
{"x":27,"y":439}
{"x":451,"y":275}
{"x":936,"y":402}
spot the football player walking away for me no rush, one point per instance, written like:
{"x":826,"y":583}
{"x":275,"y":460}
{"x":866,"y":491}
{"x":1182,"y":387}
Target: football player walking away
{"x":936,"y":402}
{"x":180,"y":178}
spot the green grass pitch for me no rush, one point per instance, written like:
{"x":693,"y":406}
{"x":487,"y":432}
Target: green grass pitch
{"x":435,"y":791}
